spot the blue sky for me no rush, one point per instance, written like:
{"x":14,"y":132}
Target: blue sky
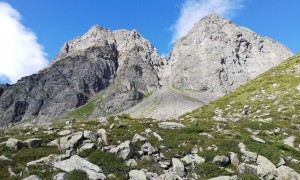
{"x":54,"y":22}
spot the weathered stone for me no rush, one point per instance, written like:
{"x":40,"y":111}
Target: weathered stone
{"x":298,"y":88}
{"x":148,"y":149}
{"x":131,"y":163}
{"x":104,"y":136}
{"x":32,"y":177}
{"x":49,"y":161}
{"x":225,"y":178}
{"x":88,"y":147}
{"x":124,"y":150}
{"x":116,"y":118}
{"x":61,"y":176}
{"x":4,"y":158}
{"x":159,"y":138}
{"x":207,"y":135}
{"x":64,"y":132}
{"x":33,"y":143}
{"x":137,"y":175}
{"x":221,"y":160}
{"x":257,"y":139}
{"x":247,"y":155}
{"x":151,"y":175}
{"x":289,"y":141}
{"x":169,"y":176}
{"x":14,"y":143}
{"x":78,"y":163}
{"x":245,"y":168}
{"x":170,"y":125}
{"x":71,"y":141}
{"x":234,"y":159}
{"x":264,"y":166}
{"x":193,"y":158}
{"x":164,"y":164}
{"x":281,"y":162}
{"x":137,"y":138}
{"x":285,"y":172}
{"x":178,"y":167}
{"x":90,"y":135}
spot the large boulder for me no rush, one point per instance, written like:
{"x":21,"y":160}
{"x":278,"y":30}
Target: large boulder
{"x":264,"y":166}
{"x":77,"y":163}
{"x":14,"y":143}
{"x":178,"y":167}
{"x":33,"y":143}
{"x":124,"y":150}
{"x":193,"y":158}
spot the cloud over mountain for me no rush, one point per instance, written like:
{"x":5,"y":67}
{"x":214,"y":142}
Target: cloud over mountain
{"x":194,"y":10}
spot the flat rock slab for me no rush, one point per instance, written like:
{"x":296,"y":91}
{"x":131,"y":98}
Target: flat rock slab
{"x":78,"y":163}
{"x":171,"y":125}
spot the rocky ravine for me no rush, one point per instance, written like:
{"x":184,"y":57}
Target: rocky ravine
{"x":214,"y":58}
{"x":121,"y":60}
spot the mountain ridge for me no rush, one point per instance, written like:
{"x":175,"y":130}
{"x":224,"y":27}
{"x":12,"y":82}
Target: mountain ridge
{"x":124,"y":67}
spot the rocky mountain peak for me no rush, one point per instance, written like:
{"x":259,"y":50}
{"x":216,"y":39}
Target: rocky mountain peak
{"x":217,"y":55}
{"x":122,"y":65}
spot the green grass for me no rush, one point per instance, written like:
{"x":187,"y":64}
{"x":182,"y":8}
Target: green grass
{"x":77,"y":174}
{"x":83,"y":111}
{"x":25,"y":155}
{"x":109,"y":163}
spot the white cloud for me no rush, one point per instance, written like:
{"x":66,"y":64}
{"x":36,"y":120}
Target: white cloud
{"x":194,"y":10}
{"x":20,"y":53}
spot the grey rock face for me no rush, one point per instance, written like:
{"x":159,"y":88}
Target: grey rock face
{"x":217,"y":56}
{"x":122,"y":60}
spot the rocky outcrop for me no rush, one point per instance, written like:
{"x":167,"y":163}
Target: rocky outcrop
{"x":121,"y":62}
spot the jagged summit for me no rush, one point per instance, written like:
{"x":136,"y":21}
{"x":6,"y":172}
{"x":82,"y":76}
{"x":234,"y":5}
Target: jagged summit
{"x":221,"y":55}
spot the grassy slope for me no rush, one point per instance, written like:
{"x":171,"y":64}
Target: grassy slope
{"x":272,"y":95}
